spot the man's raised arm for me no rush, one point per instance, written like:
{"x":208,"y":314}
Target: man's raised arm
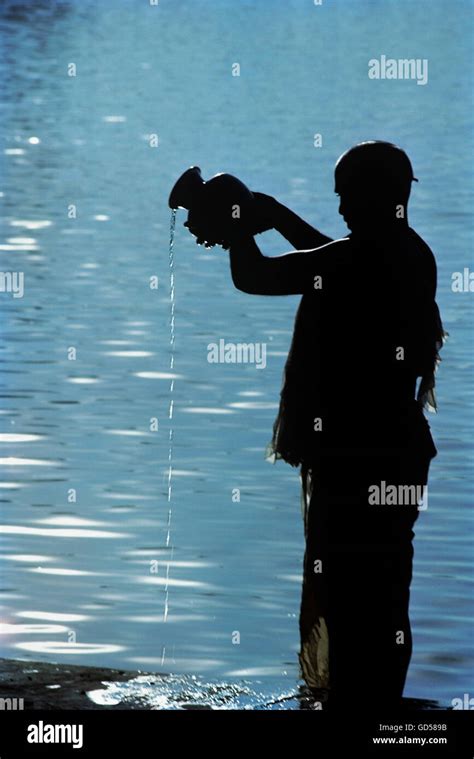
{"x":289,"y":274}
{"x":293,"y":228}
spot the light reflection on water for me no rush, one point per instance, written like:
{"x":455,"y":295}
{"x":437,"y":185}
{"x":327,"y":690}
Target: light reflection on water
{"x":84,"y":511}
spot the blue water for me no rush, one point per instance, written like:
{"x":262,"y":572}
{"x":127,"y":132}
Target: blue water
{"x":115,"y":573}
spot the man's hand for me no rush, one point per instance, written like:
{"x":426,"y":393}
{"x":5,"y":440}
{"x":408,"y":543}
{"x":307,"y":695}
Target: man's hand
{"x":204,"y":233}
{"x":211,"y":229}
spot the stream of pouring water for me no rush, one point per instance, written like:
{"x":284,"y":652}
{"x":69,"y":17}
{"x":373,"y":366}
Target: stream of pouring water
{"x":170,"y":410}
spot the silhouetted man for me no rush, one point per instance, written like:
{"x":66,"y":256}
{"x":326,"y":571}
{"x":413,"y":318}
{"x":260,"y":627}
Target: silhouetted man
{"x":359,"y":373}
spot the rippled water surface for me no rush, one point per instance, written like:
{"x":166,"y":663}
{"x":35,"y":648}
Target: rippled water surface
{"x":97,"y":565}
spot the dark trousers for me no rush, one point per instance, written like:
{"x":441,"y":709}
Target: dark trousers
{"x":354,"y":623}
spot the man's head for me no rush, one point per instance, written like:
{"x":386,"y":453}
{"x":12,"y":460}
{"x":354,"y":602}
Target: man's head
{"x":373,"y":180}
